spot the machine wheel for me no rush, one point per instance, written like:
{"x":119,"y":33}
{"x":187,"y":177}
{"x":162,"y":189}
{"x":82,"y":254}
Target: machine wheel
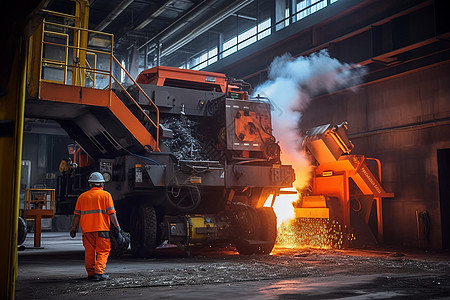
{"x":265,"y":234}
{"x":143,"y":231}
{"x":246,"y":229}
{"x":268,"y":228}
{"x":22,"y":231}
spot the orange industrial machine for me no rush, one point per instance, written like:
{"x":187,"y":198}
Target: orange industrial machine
{"x":343,"y":187}
{"x":192,"y":79}
{"x":187,"y":156}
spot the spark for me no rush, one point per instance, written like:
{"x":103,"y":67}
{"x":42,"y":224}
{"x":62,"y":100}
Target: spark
{"x":298,"y":233}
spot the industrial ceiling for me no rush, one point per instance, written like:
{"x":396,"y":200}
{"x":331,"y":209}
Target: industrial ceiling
{"x":167,"y":29}
{"x":202,"y":34}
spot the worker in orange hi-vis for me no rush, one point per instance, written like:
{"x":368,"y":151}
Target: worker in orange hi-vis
{"x":95,"y":212}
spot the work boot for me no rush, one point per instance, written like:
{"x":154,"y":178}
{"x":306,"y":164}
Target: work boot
{"x":99,"y":277}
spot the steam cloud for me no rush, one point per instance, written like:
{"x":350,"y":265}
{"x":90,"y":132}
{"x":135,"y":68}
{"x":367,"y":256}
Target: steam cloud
{"x":291,"y":85}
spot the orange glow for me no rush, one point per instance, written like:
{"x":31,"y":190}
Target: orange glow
{"x":283,"y":207}
{"x":309,"y":233}
{"x":297,"y":233}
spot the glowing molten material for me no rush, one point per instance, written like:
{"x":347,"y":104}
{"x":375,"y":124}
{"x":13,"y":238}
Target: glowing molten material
{"x":283,"y":206}
{"x":296,"y":233}
{"x":311,"y":233}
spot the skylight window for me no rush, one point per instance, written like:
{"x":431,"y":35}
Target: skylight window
{"x":302,"y":9}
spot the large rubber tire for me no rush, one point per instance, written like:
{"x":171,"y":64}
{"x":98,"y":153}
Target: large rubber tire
{"x":22,"y":231}
{"x":266,"y":231}
{"x":143,"y":232}
{"x":268,"y":228}
{"x":248,"y":227}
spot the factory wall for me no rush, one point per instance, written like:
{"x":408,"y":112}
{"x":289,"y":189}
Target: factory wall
{"x":43,"y":152}
{"x":403,"y":121}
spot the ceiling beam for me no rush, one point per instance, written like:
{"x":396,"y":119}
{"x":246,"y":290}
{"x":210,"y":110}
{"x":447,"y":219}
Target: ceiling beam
{"x":192,"y":14}
{"x":205,"y":26}
{"x":113,"y":14}
{"x":153,"y":13}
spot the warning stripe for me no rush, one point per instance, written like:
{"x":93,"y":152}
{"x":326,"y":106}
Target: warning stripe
{"x":94,"y":211}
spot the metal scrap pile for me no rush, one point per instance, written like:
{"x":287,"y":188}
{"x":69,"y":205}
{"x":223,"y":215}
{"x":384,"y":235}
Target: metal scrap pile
{"x":185,"y":143}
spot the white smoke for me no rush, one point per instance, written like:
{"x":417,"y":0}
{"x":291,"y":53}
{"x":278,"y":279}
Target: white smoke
{"x":291,"y":85}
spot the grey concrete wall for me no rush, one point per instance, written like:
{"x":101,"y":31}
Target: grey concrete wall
{"x":403,"y":121}
{"x":45,"y":153}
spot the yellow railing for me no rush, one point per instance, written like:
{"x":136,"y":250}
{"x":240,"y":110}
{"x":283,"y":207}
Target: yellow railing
{"x":58,"y":66}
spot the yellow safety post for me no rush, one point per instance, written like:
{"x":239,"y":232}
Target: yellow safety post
{"x":34,"y":60}
{"x":80,"y":42}
{"x":11,"y":116}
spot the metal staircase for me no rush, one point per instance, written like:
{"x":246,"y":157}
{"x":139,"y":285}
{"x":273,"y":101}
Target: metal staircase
{"x":72,"y":80}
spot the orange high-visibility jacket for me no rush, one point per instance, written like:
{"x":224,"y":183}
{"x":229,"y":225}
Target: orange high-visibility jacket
{"x":94,"y":207}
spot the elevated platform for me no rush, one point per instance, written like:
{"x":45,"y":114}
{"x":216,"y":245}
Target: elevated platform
{"x":97,"y":119}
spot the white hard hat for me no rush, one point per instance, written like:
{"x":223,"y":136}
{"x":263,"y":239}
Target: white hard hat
{"x":96,"y":177}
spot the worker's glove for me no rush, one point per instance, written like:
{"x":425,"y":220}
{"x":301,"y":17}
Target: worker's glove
{"x":113,"y":230}
{"x":119,"y":237}
{"x":73,"y":232}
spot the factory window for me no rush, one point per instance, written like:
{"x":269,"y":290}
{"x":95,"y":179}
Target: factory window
{"x":212,"y":56}
{"x":302,"y":9}
{"x":286,"y":17}
{"x":306,"y":7}
{"x":203,"y":60}
{"x":200,"y":61}
{"x":229,"y":46}
{"x":122,"y":72}
{"x":247,"y":38}
{"x":264,"y":28}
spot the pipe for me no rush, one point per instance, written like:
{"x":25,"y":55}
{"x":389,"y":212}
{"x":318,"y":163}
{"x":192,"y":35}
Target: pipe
{"x":379,"y":167}
{"x":171,"y":29}
{"x":411,"y":126}
{"x":158,"y":54}
{"x":418,"y":229}
{"x":113,"y":14}
{"x":205,"y":26}
{"x":153,"y":15}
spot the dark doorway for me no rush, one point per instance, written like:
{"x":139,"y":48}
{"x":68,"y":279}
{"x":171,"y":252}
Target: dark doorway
{"x":443,"y":158}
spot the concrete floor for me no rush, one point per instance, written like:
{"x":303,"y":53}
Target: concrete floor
{"x":57,"y":272}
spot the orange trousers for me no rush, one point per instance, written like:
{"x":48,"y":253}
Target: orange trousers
{"x":96,"y":251}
